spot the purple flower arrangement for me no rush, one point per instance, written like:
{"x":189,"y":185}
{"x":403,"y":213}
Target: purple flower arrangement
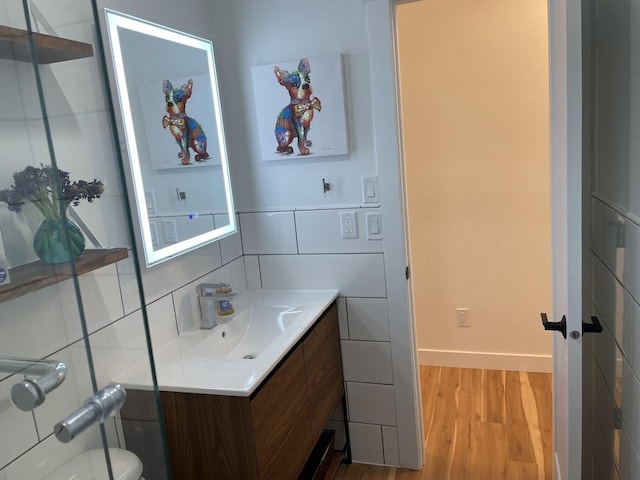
{"x":38,"y":185}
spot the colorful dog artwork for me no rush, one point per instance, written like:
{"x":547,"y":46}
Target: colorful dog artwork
{"x":187,"y":131}
{"x":295,"y":119}
{"x":304,"y":127}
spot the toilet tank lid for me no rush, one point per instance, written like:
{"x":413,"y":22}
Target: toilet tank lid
{"x":91,"y":464}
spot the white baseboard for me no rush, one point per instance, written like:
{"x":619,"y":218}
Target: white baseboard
{"x":486,"y":361}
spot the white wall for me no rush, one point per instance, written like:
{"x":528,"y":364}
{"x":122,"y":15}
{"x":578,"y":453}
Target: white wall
{"x":474,"y":96}
{"x":260,"y":36}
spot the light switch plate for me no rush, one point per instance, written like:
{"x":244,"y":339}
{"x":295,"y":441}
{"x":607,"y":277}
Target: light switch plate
{"x":374,"y":225}
{"x":370,"y":190}
{"x":150,"y":199}
{"x":154,"y":234}
{"x":169,"y":231}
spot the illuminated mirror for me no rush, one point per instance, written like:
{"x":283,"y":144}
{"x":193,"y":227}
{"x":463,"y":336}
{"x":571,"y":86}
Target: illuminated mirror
{"x":170,"y":105}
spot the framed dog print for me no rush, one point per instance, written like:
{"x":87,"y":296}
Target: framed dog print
{"x":170,"y":146}
{"x":300,"y":108}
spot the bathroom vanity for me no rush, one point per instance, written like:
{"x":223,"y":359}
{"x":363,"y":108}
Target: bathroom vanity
{"x":247,"y":418}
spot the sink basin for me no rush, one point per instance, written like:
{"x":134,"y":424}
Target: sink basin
{"x":236,"y":355}
{"x":244,"y":335}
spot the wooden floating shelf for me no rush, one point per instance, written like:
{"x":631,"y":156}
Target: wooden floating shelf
{"x":37,"y":275}
{"x":14,"y":45}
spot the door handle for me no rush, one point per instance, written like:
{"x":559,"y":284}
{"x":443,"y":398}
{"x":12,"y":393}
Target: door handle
{"x":560,"y":326}
{"x":95,"y":409}
{"x":593,"y":327}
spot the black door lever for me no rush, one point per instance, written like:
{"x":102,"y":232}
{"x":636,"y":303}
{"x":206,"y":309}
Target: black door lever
{"x":593,"y":327}
{"x":560,"y":326}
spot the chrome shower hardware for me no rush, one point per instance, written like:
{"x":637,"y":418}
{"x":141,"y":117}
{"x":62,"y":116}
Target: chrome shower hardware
{"x":29,"y":394}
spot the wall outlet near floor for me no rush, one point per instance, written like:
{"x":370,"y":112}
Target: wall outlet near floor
{"x":464,"y":320}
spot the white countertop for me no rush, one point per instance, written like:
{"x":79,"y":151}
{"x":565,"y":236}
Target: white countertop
{"x":188,"y":363}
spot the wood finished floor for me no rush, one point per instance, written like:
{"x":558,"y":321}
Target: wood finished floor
{"x":479,"y":425}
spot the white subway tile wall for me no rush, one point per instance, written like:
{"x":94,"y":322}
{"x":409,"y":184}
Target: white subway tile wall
{"x":252,"y":269}
{"x":354,"y":275}
{"x":268,"y":233}
{"x":371,"y":403}
{"x":616,"y":389}
{"x":367,"y":362}
{"x":319,"y":232}
{"x":366,"y":443}
{"x":231,"y":246}
{"x":390,"y":445}
{"x":162,"y":321}
{"x":368,"y":319}
{"x":166,"y":277}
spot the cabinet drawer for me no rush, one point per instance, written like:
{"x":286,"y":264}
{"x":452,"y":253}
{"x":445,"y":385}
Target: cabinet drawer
{"x":281,"y":421}
{"x":323,"y":365}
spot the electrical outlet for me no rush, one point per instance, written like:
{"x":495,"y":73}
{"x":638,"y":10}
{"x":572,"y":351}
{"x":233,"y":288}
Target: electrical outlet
{"x":169,"y":232}
{"x":348,"y":224}
{"x":464,"y":320}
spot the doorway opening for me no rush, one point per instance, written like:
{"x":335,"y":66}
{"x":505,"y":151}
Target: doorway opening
{"x":475,"y":116}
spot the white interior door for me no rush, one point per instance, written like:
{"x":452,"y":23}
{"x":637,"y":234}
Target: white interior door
{"x":565,"y":65}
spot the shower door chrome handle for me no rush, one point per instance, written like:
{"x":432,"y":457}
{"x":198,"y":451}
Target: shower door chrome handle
{"x":29,"y":394}
{"x":95,"y":410}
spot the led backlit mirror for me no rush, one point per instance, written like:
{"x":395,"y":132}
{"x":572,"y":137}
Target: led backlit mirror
{"x":170,"y":105}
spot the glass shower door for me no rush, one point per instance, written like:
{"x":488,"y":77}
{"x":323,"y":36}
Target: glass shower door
{"x":72,"y":323}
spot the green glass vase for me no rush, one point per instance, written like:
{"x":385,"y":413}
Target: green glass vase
{"x":50,"y":245}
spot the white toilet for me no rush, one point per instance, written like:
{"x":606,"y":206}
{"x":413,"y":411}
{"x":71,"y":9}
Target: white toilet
{"x":91,"y":465}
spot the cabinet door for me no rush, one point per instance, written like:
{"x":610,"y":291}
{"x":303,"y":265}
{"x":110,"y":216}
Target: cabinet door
{"x":281,"y":421}
{"x":209,"y":436}
{"x":323,"y":364}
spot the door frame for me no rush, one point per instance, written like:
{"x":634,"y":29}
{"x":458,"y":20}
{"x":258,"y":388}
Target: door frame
{"x":380,"y":20}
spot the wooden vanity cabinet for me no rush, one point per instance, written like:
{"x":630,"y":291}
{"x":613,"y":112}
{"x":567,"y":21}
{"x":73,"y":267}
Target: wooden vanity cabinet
{"x":323,"y":365}
{"x":281,"y":424}
{"x":269,"y":435}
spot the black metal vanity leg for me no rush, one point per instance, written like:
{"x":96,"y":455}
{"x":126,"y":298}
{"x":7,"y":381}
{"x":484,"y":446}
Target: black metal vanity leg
{"x":347,"y":447}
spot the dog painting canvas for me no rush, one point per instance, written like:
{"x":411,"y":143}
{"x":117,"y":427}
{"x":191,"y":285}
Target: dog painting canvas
{"x":292,"y":120}
{"x":180,"y":126}
{"x":186,"y":130}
